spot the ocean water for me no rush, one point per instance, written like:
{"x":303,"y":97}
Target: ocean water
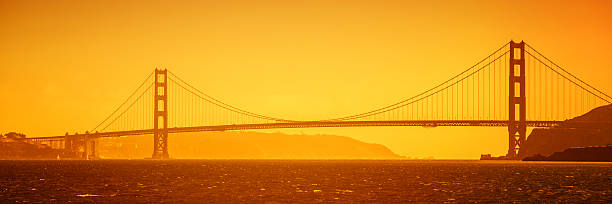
{"x":280,"y":181}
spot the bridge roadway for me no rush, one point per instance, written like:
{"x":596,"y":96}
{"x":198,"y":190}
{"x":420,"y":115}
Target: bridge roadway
{"x":312,"y":124}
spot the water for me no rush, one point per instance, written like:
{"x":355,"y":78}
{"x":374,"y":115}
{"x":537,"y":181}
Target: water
{"x":277,"y":181}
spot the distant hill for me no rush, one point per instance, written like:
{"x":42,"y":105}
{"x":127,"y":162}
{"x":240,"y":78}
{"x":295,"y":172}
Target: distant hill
{"x":546,"y":141}
{"x":602,"y":113}
{"x":248,"y":145}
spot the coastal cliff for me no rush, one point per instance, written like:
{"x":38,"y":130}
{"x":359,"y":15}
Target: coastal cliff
{"x":546,"y":141}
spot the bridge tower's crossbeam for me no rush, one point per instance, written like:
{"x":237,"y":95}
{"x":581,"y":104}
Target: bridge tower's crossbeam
{"x":160,"y":122}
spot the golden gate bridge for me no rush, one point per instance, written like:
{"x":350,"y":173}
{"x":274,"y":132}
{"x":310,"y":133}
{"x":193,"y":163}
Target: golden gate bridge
{"x":496,"y":91}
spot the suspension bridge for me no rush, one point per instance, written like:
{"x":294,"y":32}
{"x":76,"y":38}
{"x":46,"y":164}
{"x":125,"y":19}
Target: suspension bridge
{"x":515,"y":86}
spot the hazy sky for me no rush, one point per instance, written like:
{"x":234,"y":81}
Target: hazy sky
{"x":65,"y":65}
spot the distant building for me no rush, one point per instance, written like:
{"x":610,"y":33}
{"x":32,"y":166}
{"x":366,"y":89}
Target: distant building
{"x":14,"y":135}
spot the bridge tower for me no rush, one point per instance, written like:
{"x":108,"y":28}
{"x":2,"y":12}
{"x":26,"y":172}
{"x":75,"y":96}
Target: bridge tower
{"x":160,"y":126}
{"x":517,"y":127}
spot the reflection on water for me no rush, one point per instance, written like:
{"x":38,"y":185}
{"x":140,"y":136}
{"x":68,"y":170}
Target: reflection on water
{"x":303,"y":181}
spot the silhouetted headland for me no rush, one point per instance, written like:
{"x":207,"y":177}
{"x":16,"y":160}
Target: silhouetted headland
{"x":560,"y":143}
{"x":12,"y":146}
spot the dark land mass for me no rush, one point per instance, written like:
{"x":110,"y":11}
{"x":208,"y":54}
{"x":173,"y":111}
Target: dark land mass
{"x":592,"y":154}
{"x":560,"y":143}
{"x":247,"y":145}
{"x":12,"y":147}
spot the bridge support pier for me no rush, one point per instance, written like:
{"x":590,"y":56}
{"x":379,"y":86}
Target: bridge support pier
{"x":91,"y":151}
{"x":80,"y":146}
{"x":517,"y":125}
{"x":160,"y":126}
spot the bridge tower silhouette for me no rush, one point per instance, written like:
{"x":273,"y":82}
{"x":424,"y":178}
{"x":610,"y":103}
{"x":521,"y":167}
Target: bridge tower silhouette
{"x":517,"y":129}
{"x":160,"y":114}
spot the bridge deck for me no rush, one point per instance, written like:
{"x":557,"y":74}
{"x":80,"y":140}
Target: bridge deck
{"x":313,"y":124}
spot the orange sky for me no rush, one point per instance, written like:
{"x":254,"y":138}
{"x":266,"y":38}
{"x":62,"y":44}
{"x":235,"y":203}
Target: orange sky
{"x":65,"y":65}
